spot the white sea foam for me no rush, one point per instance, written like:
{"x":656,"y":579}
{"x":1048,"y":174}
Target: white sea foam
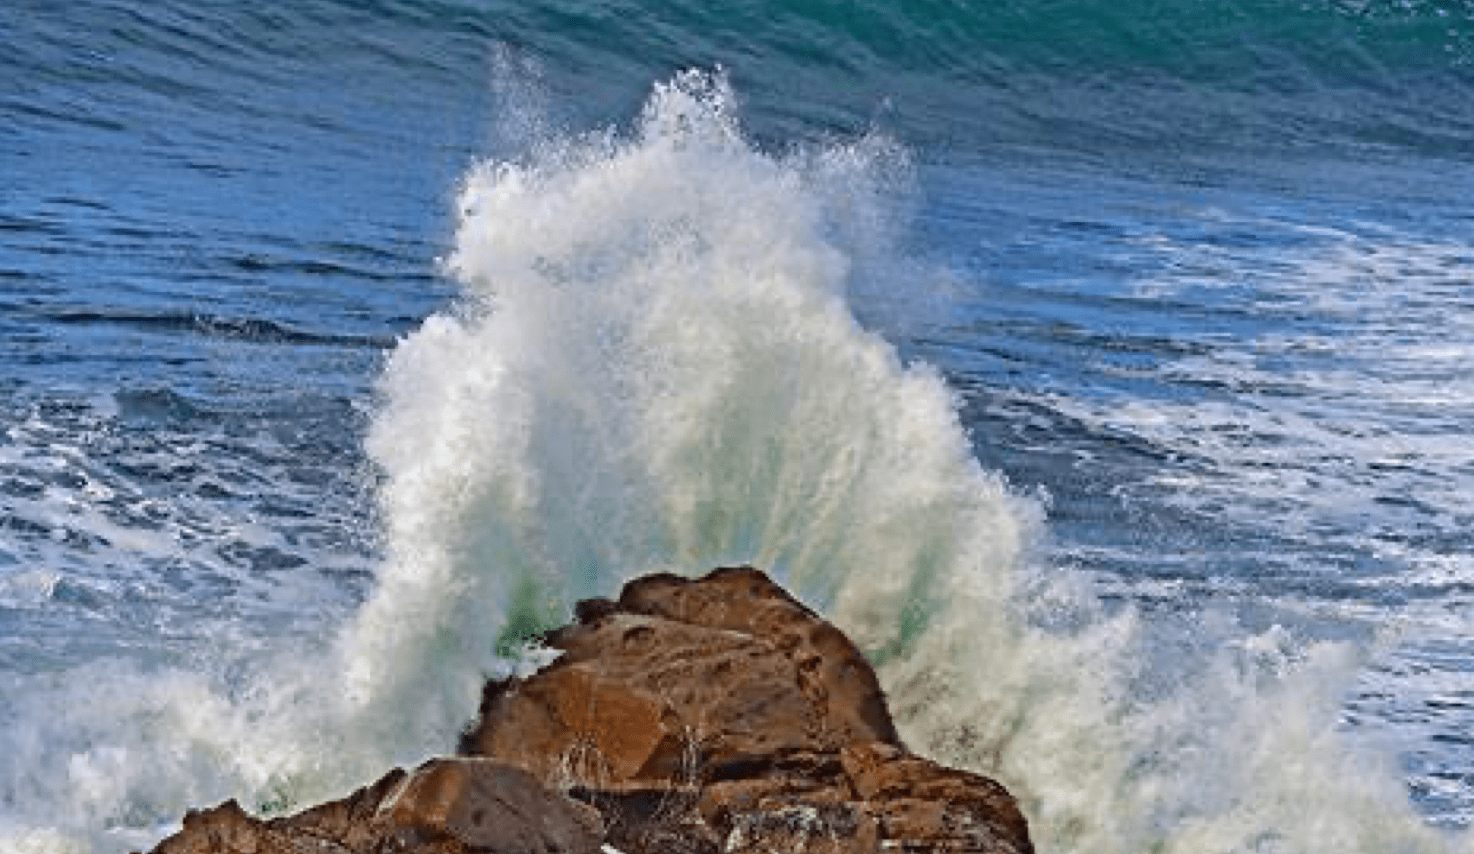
{"x":658,"y":370}
{"x":655,"y":367}
{"x":1333,"y":411}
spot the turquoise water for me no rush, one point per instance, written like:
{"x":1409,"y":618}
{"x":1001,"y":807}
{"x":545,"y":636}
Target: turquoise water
{"x":1102,"y":369}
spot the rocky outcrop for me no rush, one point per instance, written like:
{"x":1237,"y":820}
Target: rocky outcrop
{"x":720,"y":714}
{"x":446,"y":806}
{"x":687,"y":717}
{"x":681,"y":678}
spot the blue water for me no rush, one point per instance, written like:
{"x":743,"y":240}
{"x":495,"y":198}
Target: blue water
{"x":1137,"y":336}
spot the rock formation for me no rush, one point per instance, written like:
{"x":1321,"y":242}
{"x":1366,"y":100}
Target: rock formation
{"x":455,"y":805}
{"x":688,"y":717}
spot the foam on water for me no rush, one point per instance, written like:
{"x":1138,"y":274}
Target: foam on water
{"x":1330,"y":422}
{"x":1333,"y":432}
{"x":657,"y":370}
{"x":655,"y":367}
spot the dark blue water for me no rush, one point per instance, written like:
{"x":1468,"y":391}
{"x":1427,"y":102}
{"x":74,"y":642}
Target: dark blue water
{"x":1198,"y":277}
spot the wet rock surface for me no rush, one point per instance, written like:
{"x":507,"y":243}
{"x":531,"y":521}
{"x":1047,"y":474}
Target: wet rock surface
{"x":687,"y":717}
{"x":446,"y":806}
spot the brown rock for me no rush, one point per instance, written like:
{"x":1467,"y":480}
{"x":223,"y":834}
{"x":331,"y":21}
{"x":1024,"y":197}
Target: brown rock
{"x":657,"y":819}
{"x":831,"y":671}
{"x":447,"y":806}
{"x":680,"y":674}
{"x":225,"y":828}
{"x":688,"y":717}
{"x":486,"y":805}
{"x":721,"y":714}
{"x":574,"y":724}
{"x":867,"y":794}
{"x":881,"y":774}
{"x":348,"y":822}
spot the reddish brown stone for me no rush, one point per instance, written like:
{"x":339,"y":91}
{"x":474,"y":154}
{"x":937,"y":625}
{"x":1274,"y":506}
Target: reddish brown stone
{"x":679,"y":674}
{"x":447,"y":806}
{"x":487,"y":805}
{"x":831,"y":671}
{"x":225,"y":828}
{"x":688,"y":717}
{"x":727,"y":695}
{"x":916,"y":799}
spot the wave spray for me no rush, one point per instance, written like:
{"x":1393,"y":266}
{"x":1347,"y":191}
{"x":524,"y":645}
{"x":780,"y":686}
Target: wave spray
{"x":655,"y":366}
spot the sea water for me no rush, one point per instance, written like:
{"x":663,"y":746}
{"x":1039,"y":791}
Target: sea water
{"x":1103,"y":371}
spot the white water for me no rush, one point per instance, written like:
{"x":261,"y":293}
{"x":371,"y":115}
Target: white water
{"x":655,"y":367}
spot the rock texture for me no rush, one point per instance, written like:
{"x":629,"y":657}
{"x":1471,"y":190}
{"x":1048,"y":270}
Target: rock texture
{"x":447,"y":806}
{"x":720,"y":714}
{"x":680,"y":676}
{"x":688,"y":717}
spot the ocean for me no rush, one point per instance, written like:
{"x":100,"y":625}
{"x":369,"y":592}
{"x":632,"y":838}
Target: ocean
{"x":1104,"y":369}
